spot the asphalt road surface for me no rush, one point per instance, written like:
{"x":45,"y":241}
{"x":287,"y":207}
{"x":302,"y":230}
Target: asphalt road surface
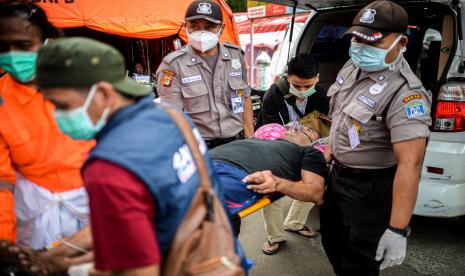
{"x":436,"y":247}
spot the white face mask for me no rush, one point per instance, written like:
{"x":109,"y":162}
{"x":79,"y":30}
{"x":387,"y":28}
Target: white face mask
{"x":203,"y":40}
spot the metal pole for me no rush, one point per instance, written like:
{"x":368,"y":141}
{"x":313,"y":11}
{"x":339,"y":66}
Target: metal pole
{"x":292,"y":30}
{"x":251,"y":53}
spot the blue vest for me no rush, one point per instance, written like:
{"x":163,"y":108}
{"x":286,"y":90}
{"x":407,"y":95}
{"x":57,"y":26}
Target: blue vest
{"x":145,"y":141}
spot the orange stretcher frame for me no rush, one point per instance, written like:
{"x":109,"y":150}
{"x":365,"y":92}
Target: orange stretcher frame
{"x":266,"y":200}
{"x":145,"y":19}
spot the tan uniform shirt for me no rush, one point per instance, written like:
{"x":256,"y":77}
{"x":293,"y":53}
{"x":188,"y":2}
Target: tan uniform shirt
{"x":371,"y":111}
{"x":186,"y":81}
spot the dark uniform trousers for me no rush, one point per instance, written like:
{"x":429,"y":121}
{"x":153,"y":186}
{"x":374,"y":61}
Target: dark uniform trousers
{"x":354,"y":216}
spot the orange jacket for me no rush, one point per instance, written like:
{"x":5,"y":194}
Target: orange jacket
{"x":32,"y":145}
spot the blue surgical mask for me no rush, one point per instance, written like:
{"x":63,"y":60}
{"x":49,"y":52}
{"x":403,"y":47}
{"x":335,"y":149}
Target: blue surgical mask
{"x":21,"y":65}
{"x":77,"y":122}
{"x":369,"y":58}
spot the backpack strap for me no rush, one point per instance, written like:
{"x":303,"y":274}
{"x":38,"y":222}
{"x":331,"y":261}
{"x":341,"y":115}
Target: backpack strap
{"x":186,"y":130}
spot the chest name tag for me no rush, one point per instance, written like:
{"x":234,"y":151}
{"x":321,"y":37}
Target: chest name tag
{"x":237,"y":104}
{"x":235,"y":74}
{"x":184,"y":164}
{"x":353,"y":137}
{"x":191,"y":79}
{"x":415,"y":110}
{"x":369,"y":102}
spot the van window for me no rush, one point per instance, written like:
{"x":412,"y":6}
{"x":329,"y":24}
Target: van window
{"x":429,"y":58}
{"x":331,"y":50}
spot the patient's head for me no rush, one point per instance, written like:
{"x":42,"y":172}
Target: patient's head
{"x":293,"y":132}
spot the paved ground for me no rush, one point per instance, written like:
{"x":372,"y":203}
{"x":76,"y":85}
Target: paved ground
{"x":436,"y":247}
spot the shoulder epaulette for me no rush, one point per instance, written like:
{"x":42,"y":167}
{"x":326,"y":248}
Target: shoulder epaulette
{"x":173,"y":55}
{"x":234,"y":46}
{"x":412,"y":80}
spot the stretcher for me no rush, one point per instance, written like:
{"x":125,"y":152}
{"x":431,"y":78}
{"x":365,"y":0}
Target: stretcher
{"x":264,"y":201}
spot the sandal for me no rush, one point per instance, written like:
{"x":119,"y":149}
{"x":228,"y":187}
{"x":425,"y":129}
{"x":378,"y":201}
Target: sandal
{"x":271,"y":248}
{"x":305,"y":231}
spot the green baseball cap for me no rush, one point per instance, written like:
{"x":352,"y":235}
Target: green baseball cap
{"x":79,"y":61}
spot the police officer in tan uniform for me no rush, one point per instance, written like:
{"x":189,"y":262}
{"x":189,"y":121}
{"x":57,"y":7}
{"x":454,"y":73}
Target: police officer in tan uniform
{"x":207,"y":79}
{"x":381,"y":119}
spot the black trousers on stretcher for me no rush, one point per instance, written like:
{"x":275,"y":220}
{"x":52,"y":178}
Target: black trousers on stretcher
{"x":355,"y":213}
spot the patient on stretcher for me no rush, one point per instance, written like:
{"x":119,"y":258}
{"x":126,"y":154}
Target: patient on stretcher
{"x":283,"y":153}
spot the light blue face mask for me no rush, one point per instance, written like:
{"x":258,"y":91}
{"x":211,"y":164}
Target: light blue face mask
{"x":369,"y":58}
{"x":21,"y":65}
{"x":77,"y":122}
{"x":302,"y":95}
{"x":305,"y":94}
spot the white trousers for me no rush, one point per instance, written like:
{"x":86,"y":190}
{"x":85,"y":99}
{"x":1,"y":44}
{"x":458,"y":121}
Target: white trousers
{"x":43,"y":217}
{"x":295,"y":219}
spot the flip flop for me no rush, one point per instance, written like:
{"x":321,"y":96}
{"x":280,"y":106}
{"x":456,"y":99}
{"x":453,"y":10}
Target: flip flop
{"x":271,"y":248}
{"x":305,"y":231}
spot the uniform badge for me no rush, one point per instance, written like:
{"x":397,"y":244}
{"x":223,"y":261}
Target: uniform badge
{"x":339,"y":79}
{"x":168,"y":72}
{"x":381,"y":78}
{"x":378,"y":35}
{"x":411,"y":97}
{"x":167,"y":78}
{"x":377,"y":88}
{"x":240,"y":93}
{"x":235,"y":74}
{"x":369,"y":102}
{"x":415,"y":110}
{"x":368,"y":16}
{"x":191,"y":79}
{"x":236,"y":63}
{"x":204,"y":8}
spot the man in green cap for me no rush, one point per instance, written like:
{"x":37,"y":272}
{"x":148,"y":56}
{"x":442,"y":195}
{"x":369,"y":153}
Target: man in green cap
{"x":138,"y":194}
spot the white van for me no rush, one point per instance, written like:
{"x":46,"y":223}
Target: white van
{"x":435,"y":52}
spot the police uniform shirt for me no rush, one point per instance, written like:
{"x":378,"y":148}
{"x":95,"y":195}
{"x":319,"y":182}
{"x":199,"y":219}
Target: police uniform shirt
{"x":186,"y":81}
{"x":373,"y":110}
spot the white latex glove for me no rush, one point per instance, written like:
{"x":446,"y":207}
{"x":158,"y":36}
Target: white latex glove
{"x":392,"y":248}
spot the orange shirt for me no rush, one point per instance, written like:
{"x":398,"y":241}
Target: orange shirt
{"x":32,"y":144}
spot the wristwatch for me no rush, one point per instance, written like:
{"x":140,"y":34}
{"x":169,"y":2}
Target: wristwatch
{"x":405,"y":232}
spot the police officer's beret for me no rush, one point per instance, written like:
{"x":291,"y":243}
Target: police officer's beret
{"x":378,"y":19}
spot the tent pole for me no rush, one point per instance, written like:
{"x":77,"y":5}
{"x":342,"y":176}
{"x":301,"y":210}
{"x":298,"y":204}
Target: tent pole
{"x":292,"y":29}
{"x":148,"y":58}
{"x":251,"y":53}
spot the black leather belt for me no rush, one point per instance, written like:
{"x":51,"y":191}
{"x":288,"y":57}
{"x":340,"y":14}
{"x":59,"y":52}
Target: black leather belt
{"x":344,"y":170}
{"x":221,"y":141}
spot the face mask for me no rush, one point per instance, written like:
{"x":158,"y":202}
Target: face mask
{"x":369,"y":58}
{"x":302,"y":95}
{"x":20,"y":65}
{"x":203,"y":40}
{"x":77,"y":123}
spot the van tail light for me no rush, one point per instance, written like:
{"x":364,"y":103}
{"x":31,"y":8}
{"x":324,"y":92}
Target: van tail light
{"x":450,"y":110}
